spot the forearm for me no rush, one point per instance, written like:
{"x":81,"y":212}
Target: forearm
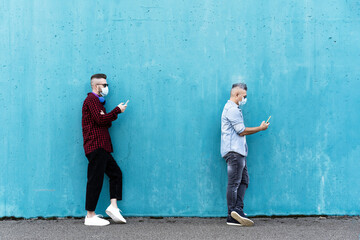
{"x":103,"y":119}
{"x":250,"y":130}
{"x":106,"y":119}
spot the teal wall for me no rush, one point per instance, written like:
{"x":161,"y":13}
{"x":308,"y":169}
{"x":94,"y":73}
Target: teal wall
{"x":176,"y":61}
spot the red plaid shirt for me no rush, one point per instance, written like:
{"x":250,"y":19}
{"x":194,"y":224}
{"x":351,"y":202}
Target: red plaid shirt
{"x":95,"y":124}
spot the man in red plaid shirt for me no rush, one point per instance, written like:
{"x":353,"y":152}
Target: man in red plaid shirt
{"x":98,"y":149}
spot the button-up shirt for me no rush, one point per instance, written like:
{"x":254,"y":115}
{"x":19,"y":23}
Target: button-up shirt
{"x":232,"y":124}
{"x":95,"y":124}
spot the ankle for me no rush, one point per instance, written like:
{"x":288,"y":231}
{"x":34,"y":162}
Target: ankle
{"x":90,"y":214}
{"x":113,"y":202}
{"x":114,"y":205}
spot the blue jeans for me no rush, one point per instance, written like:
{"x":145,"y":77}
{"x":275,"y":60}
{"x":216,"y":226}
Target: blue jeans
{"x":238,"y":181}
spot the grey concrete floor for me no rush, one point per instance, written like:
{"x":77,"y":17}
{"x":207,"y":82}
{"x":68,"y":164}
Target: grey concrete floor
{"x":185,"y":228}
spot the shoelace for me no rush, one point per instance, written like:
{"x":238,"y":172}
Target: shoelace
{"x":119,"y":210}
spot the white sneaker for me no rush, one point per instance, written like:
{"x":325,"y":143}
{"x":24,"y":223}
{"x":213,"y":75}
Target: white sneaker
{"x":115,"y":214}
{"x":96,"y":221}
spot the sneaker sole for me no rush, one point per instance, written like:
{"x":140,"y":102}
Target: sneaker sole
{"x":243,"y":221}
{"x":234,"y":224}
{"x":93,"y":225}
{"x":113,"y":217}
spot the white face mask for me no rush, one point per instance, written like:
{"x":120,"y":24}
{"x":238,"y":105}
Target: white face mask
{"x":243,"y":101}
{"x":104,"y":91}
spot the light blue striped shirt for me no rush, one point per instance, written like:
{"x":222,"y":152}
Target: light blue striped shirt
{"x":232,"y":124}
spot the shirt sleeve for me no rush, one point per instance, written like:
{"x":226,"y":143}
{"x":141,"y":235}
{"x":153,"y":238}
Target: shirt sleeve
{"x":236,"y":119}
{"x":102,"y":119}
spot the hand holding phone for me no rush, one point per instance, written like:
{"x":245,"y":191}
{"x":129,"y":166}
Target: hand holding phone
{"x":123,"y":106}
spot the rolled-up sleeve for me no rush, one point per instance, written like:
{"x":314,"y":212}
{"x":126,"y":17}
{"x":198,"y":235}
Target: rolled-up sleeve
{"x":236,"y":119}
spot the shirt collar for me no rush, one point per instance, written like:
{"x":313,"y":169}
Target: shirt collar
{"x":95,"y":94}
{"x":232,"y":103}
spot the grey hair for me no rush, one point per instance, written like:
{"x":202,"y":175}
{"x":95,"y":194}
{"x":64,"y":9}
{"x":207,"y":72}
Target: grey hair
{"x":239,"y":85}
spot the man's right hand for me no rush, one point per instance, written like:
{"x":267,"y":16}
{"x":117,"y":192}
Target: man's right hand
{"x":264,"y":125}
{"x":122,"y":107}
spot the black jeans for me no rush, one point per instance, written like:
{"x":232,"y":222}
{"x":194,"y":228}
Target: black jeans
{"x":238,"y":181}
{"x":100,"y":162}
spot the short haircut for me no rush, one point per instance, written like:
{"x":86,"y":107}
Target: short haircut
{"x":98,"y":75}
{"x":239,"y":85}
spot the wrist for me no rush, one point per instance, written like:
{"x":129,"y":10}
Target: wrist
{"x":119,"y":111}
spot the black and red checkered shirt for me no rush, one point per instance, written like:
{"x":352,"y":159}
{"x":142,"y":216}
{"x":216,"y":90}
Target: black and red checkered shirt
{"x":95,"y":124}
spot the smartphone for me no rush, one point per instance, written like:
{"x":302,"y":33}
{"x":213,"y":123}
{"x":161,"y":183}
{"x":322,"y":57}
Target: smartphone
{"x":126,"y":102}
{"x":268,"y":120}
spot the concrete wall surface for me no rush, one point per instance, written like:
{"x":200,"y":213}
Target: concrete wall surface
{"x":176,"y":62}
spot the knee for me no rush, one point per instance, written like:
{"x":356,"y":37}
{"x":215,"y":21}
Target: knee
{"x":119,"y":174}
{"x":245,"y":184}
{"x":234,"y":185}
{"x":115,"y":175}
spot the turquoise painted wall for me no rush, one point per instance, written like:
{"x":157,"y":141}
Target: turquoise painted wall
{"x":176,"y":61}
